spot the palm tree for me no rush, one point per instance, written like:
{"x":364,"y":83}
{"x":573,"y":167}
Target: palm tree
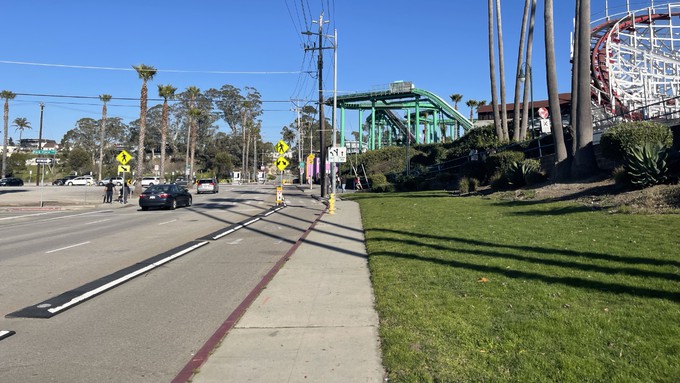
{"x":492,"y":75}
{"x":192,"y":129}
{"x":7,"y":95}
{"x":584,"y":163}
{"x":528,"y":83}
{"x":102,"y":132}
{"x":456,"y":99}
{"x":520,"y":53}
{"x":501,"y":71}
{"x":145,"y":73}
{"x":168,"y":93}
{"x":22,"y":124}
{"x":194,"y":114}
{"x":561,"y":170}
{"x":471,"y":104}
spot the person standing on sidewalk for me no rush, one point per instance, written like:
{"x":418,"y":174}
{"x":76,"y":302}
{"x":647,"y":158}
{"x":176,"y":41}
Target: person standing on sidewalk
{"x":108,"y":189}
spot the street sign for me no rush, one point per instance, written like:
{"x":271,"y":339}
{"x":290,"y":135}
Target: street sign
{"x":310,"y":159}
{"x":337,"y":154}
{"x":123,"y":157}
{"x":123,"y":168}
{"x":43,"y":160}
{"x":281,"y":163}
{"x":281,"y":147}
{"x":44,"y":151}
{"x":543,"y":112}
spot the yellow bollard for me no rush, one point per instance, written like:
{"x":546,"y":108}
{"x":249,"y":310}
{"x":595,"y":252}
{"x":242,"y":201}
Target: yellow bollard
{"x":331,"y":204}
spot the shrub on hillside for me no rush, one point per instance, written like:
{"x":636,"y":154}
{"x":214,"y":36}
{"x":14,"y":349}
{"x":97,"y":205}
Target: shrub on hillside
{"x":619,"y":139}
{"x":474,"y":169}
{"x":501,"y":162}
{"x":647,"y":164}
{"x":468,"y":185}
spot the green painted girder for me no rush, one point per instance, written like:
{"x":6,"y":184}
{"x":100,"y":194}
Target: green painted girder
{"x":402,"y":100}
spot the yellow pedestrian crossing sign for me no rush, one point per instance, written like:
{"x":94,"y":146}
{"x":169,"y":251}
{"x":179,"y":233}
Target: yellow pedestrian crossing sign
{"x":281,"y":163}
{"x":123,"y":157}
{"x":281,"y":147}
{"x":123,"y":168}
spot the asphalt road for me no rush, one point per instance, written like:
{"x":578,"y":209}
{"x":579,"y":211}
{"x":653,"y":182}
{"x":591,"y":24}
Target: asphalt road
{"x":148,"y":328}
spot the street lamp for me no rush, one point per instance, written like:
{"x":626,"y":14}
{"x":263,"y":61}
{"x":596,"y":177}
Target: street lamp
{"x":524,"y":73}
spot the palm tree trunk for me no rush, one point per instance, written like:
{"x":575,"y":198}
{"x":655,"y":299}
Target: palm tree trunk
{"x":528,"y":84}
{"x":102,"y":135}
{"x":561,"y":163}
{"x":501,"y":71}
{"x":520,"y":53}
{"x":5,"y":139}
{"x":574,"y":88}
{"x":584,"y":163}
{"x":140,"y":145}
{"x":164,"y":133}
{"x":492,"y":75}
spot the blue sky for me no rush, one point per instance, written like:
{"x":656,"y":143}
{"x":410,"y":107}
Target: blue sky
{"x":87,"y":48}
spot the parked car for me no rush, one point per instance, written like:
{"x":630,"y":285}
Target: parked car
{"x":148,"y":181}
{"x":164,"y":196}
{"x":62,"y":181}
{"x":118,"y":181}
{"x":82,"y":180}
{"x":181,"y":182}
{"x":207,"y":185}
{"x":11,"y":181}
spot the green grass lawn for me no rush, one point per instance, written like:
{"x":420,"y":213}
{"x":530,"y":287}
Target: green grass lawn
{"x":484,"y":290}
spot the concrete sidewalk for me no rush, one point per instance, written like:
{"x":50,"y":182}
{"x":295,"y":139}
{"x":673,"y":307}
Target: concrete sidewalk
{"x":314,"y":322}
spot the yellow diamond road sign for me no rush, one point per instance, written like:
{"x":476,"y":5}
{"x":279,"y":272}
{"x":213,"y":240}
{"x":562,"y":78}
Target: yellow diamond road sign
{"x":281,"y":163}
{"x":123,"y":157}
{"x":281,"y":147}
{"x":123,"y":168}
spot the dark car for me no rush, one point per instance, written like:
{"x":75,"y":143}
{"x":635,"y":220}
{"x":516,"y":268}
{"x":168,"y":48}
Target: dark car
{"x":11,"y":181}
{"x":181,"y":182}
{"x":165,"y":196}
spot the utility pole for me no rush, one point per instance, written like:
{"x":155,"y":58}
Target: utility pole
{"x":322,"y":124}
{"x":37,"y":166}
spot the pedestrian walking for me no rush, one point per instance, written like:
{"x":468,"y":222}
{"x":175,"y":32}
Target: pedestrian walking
{"x":343,"y":182}
{"x":108,"y":192}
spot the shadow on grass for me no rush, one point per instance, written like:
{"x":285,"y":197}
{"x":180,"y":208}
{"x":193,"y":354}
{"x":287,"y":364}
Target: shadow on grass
{"x":614,"y":288}
{"x":571,"y":253}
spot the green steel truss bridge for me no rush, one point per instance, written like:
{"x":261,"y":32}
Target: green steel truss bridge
{"x":427,"y":117}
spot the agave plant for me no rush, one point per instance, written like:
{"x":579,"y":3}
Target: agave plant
{"x":647,"y":164}
{"x":519,"y":171}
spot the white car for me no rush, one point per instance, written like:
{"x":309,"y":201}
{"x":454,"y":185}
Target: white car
{"x":82,"y":180}
{"x":148,"y":181}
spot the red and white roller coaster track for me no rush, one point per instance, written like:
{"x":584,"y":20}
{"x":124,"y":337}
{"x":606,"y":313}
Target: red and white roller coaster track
{"x":636,"y":61}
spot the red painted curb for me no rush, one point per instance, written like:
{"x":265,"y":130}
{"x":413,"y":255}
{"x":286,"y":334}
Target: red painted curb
{"x":202,"y":354}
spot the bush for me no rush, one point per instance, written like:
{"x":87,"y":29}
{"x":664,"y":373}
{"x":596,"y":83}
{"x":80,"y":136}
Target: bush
{"x":468,"y":185}
{"x":622,"y":138}
{"x":474,"y":169}
{"x":621,"y":178}
{"x":377,"y":179}
{"x":523,"y":173}
{"x":647,"y":164}
{"x":501,"y":162}
{"x":382,"y":188}
{"x":498,"y":181}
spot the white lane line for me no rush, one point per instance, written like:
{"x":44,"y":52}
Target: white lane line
{"x":164,"y":223}
{"x":100,"y":221}
{"x":124,"y":278}
{"x":26,"y":215}
{"x":67,"y":247}
{"x":236,"y":241}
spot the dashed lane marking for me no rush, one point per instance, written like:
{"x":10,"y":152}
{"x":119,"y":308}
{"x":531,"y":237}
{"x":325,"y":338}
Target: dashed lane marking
{"x":67,"y":247}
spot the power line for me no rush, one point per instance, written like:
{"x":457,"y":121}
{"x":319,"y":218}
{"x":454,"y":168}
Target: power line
{"x":157,"y":70}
